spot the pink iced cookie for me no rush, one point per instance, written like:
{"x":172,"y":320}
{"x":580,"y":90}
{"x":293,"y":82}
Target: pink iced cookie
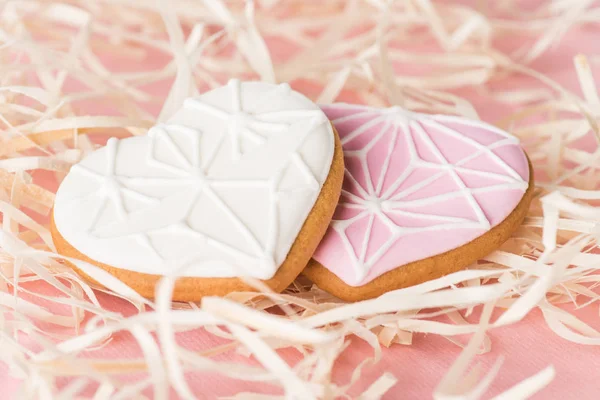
{"x":423,"y":196}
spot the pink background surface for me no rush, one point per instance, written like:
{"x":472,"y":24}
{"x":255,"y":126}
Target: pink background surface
{"x":528,"y":346}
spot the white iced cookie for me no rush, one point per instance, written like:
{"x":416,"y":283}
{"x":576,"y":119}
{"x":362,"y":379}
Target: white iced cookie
{"x":242,"y":181}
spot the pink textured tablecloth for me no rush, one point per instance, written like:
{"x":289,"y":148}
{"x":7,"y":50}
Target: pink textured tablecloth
{"x":528,"y":346}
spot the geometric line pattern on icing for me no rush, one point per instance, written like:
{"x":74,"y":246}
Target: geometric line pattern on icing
{"x":112,"y":191}
{"x":405,"y":205}
{"x":182,"y":173}
{"x":241,"y":124}
{"x":192,"y":179}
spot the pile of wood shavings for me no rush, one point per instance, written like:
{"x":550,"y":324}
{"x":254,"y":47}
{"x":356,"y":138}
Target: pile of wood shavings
{"x":61,"y":95}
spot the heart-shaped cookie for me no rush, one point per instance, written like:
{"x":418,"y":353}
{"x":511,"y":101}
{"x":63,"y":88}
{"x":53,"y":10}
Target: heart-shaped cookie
{"x":242,"y":181}
{"x":423,"y":196}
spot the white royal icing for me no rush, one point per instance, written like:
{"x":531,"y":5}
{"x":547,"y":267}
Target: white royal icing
{"x":223,"y":187}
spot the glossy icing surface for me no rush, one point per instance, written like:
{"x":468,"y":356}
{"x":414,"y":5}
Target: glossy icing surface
{"x":416,"y":185}
{"x":222,"y":189}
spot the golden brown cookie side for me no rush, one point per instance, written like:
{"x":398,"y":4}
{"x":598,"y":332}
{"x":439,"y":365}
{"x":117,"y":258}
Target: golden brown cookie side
{"x":193,"y":289}
{"x":429,"y":268}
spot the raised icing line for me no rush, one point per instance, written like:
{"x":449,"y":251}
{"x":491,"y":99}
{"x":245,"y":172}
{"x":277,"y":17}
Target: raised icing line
{"x":391,"y":213}
{"x":111,"y":190}
{"x":185,"y":212}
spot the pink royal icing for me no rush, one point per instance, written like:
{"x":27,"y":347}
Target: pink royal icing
{"x":416,"y":185}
